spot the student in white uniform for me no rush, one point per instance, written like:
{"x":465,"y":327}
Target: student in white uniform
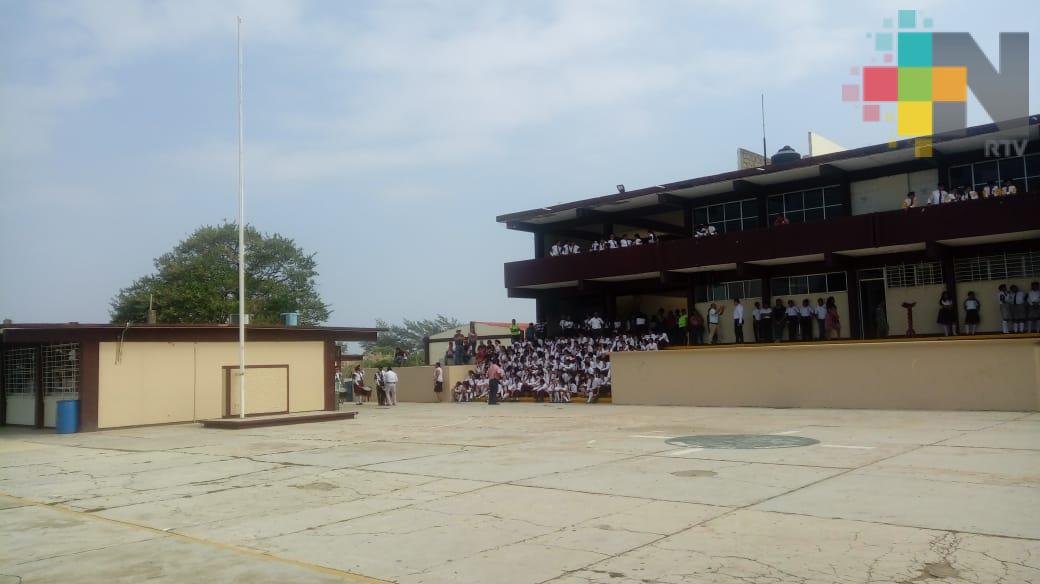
{"x":738,"y":321}
{"x":554,"y":250}
{"x":1033,"y":307}
{"x":939,"y":195}
{"x":1019,"y":310}
{"x":820,"y":312}
{"x":972,"y":307}
{"x":1004,"y":302}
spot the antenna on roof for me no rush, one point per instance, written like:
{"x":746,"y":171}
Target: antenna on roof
{"x":765,"y":153}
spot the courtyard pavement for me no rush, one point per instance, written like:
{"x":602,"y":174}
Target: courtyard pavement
{"x":530,"y":493}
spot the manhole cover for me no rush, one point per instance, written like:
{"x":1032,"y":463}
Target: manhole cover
{"x":694,"y":473}
{"x":741,"y":441}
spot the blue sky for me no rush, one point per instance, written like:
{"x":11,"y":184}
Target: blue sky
{"x":386,"y":136}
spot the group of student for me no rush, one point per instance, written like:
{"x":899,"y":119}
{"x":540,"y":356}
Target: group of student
{"x":558,"y":370}
{"x":1019,"y":310}
{"x":385,"y":385}
{"x":562,"y":248}
{"x":942,"y":196}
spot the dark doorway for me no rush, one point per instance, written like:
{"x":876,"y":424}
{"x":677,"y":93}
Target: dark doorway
{"x":871,"y":295}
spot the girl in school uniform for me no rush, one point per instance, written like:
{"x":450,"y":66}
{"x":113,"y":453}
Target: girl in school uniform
{"x":832,"y":321}
{"x":971,"y":314}
{"x":947,"y":316}
{"x":1019,"y":310}
{"x":1033,"y":307}
{"x":1004,"y":302}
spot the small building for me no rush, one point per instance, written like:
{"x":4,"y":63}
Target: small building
{"x":141,"y":374}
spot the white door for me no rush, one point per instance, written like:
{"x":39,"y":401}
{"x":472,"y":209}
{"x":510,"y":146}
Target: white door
{"x":20,"y":386}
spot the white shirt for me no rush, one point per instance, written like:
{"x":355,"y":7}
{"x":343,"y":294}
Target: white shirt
{"x":439,"y":375}
{"x":738,"y":312}
{"x":612,"y":243}
{"x":937,"y":197}
{"x":805,"y":311}
{"x":390,"y":377}
{"x":821,"y":311}
{"x":554,"y":250}
{"x":595,"y":323}
{"x":1033,"y":296}
{"x":791,"y":311}
{"x":713,"y":316}
{"x":756,"y":313}
{"x":625,"y":243}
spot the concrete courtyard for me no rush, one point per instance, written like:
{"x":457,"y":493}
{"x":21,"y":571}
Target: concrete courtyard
{"x":526,"y":493}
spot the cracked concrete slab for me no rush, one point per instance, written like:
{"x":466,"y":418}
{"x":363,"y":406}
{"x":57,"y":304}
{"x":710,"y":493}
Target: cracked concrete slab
{"x":530,"y":493}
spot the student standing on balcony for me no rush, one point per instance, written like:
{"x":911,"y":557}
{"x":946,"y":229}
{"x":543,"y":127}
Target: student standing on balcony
{"x":947,"y":316}
{"x":910,"y":201}
{"x":820,"y":312}
{"x":738,"y":321}
{"x":791,"y":316}
{"x":971,"y":314}
{"x":939,"y":195}
{"x":805,"y":318}
{"x":1009,"y":188}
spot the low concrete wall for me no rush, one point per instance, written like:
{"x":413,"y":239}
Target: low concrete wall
{"x":983,"y":374}
{"x":415,"y":384}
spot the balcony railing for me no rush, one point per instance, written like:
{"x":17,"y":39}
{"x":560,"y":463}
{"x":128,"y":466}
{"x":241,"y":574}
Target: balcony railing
{"x":857,"y":232}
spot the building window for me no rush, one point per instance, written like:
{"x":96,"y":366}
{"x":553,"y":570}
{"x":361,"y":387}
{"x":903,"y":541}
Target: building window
{"x":997,"y":267}
{"x":732,"y":216}
{"x":808,"y":206}
{"x":907,"y":275}
{"x":1023,"y":171}
{"x":728,"y":291}
{"x":808,"y":284}
{"x":20,"y":371}
{"x":61,"y":368}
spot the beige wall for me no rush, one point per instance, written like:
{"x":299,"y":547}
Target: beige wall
{"x":926,"y":311}
{"x":415,"y":384}
{"x":156,"y":383}
{"x":985,"y":374}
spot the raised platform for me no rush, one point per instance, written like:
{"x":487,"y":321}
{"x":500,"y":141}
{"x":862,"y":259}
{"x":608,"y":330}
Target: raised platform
{"x":277,"y":420}
{"x":956,"y":373}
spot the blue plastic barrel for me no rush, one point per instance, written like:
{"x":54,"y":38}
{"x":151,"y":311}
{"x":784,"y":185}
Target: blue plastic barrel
{"x":68,"y":416}
{"x":291,"y":318}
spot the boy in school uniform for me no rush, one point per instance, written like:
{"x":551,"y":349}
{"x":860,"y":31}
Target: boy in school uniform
{"x":805,"y":318}
{"x":820,"y":312}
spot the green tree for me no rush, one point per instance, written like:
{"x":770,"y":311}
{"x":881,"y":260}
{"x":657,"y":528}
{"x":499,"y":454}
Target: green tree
{"x":409,"y":336}
{"x":198,"y":281}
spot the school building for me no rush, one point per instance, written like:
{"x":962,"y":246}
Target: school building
{"x":140,"y":374}
{"x":848,"y":238}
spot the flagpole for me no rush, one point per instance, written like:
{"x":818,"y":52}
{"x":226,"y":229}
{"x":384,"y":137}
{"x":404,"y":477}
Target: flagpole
{"x":241,"y":243}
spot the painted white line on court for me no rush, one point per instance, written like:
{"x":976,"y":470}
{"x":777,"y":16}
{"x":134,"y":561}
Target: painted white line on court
{"x":654,"y":437}
{"x":682,"y":451}
{"x":786,"y":433}
{"x":847,"y":446}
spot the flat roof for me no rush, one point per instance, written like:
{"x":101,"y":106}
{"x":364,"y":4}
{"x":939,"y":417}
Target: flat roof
{"x":47,"y":332}
{"x":847,"y":160}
